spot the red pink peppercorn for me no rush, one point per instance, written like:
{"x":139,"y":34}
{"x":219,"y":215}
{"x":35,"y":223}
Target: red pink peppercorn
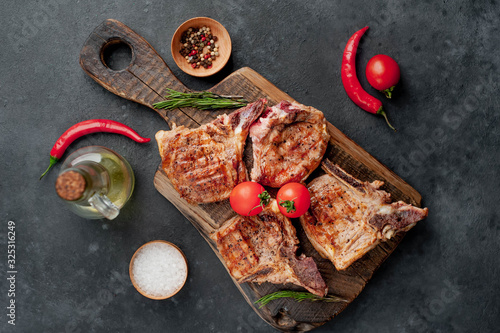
{"x":194,"y":41}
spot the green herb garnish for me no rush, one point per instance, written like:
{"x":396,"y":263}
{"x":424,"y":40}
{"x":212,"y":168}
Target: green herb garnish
{"x":299,"y":296}
{"x":201,"y":100}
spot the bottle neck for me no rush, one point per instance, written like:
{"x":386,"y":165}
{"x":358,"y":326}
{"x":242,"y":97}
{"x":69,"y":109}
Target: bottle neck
{"x":81,"y":182}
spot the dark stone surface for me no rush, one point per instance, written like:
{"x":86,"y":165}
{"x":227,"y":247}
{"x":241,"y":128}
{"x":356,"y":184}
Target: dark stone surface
{"x":73,"y":273}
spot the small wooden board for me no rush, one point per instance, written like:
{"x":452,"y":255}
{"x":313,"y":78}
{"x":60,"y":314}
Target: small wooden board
{"x":144,"y":81}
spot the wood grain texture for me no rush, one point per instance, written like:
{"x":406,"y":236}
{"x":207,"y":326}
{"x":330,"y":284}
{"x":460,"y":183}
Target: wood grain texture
{"x":144,"y":80}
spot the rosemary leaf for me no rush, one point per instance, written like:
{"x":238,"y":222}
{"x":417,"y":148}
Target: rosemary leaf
{"x":201,"y":100}
{"x":299,"y":296}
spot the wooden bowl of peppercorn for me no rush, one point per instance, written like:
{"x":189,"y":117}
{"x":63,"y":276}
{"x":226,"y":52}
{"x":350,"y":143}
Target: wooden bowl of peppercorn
{"x":201,"y":46}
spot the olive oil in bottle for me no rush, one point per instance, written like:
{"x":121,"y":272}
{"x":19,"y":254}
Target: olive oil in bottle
{"x":96,"y":182}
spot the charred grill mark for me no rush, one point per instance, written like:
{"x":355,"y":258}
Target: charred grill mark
{"x":200,"y":166}
{"x":351,"y":222}
{"x":292,"y":142}
{"x":236,"y":248}
{"x":203,"y":164}
{"x":264,"y":250}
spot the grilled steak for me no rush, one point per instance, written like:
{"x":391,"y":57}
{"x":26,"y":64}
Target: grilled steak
{"x":289,"y":141}
{"x":262,"y":248}
{"x":348,"y":217}
{"x":204,"y":164}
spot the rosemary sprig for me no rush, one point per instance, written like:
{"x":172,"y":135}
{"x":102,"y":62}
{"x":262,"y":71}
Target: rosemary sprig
{"x":299,"y":296}
{"x":201,"y":100}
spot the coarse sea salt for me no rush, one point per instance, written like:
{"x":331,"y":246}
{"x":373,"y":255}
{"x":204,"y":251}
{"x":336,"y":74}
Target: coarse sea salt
{"x":159,"y":269}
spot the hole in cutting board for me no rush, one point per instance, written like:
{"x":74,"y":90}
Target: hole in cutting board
{"x":116,"y":55}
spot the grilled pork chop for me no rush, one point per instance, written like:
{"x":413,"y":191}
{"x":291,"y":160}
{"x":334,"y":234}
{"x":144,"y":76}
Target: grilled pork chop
{"x":289,"y":141}
{"x":262,"y":248}
{"x":204,"y":164}
{"x":348,"y":217}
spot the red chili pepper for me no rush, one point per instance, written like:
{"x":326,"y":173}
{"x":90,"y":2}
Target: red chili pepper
{"x":351,"y":83}
{"x":87,"y":127}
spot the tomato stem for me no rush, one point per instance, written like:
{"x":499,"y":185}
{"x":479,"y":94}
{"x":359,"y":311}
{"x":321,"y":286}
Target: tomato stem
{"x":388,"y":92}
{"x":289,"y":205}
{"x":264,"y":200}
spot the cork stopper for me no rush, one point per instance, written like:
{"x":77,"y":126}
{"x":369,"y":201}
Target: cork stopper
{"x":70,"y":185}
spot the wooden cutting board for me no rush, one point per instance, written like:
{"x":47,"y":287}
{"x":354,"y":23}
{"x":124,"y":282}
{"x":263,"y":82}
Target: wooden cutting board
{"x":144,"y":81}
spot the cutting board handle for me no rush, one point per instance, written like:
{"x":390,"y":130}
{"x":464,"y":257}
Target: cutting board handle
{"x":143,"y":81}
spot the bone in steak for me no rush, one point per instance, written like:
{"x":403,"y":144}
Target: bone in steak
{"x":288,"y":141}
{"x":205,"y":164}
{"x":262,"y":248}
{"x":348,"y":217}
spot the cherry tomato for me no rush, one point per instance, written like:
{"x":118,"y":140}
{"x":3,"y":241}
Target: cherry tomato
{"x":293,"y":199}
{"x":383,"y":73}
{"x":249,"y":198}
